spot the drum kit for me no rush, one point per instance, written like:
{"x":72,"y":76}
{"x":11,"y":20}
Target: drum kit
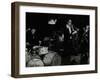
{"x":42,"y":57}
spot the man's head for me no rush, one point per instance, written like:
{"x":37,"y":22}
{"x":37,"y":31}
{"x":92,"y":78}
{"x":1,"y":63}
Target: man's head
{"x":33,"y":31}
{"x":61,"y":38}
{"x":69,"y":22}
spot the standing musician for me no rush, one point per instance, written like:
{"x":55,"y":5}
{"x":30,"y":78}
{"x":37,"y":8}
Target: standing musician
{"x":72,"y":40}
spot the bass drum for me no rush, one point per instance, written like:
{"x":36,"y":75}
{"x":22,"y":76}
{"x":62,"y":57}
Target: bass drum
{"x":35,"y":63}
{"x":52,"y":59}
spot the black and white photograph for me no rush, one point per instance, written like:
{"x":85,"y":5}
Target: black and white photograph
{"x":57,"y":39}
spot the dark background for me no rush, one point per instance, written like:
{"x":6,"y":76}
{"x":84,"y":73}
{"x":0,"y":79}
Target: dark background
{"x":40,"y":21}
